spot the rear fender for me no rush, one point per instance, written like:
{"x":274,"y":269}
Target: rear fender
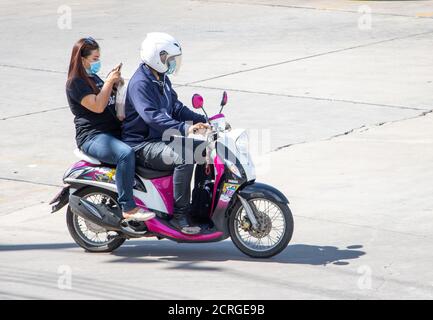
{"x":60,"y":200}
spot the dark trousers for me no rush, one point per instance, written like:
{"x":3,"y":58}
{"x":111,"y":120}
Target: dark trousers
{"x":180,"y":154}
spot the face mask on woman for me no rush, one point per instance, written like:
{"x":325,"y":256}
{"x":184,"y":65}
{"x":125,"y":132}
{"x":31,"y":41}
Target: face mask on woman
{"x":94,"y":67}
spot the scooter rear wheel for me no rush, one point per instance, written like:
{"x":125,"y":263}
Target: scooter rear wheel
{"x":89,"y":236}
{"x":273,"y":234}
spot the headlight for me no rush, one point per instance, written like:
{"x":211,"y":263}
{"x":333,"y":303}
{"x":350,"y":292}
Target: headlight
{"x":242,"y":143}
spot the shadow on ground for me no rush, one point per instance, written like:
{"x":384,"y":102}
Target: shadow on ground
{"x":140,"y":252}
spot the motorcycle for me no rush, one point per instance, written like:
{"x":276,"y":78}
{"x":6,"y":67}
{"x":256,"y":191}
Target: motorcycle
{"x":226,"y":199}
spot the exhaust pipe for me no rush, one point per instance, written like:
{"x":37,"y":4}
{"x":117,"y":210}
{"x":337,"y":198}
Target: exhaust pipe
{"x":97,"y":214}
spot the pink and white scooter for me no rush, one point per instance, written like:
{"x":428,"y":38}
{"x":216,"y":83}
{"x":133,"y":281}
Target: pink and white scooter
{"x":227,"y":202}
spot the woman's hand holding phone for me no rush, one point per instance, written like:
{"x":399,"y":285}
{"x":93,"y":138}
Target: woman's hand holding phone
{"x":115,"y":76}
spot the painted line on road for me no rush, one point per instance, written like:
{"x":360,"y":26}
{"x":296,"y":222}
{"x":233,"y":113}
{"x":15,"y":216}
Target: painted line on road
{"x":423,"y":114}
{"x":259,"y":67}
{"x":322,"y":8}
{"x":309,"y":57}
{"x":354,"y":130}
{"x":32,"y":113}
{"x":32,"y":182}
{"x":31,"y":69}
{"x":305,"y":97}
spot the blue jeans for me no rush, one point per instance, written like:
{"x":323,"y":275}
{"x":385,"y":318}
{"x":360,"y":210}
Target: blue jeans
{"x":108,"y":149}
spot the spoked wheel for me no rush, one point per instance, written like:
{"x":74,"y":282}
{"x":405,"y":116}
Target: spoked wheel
{"x":273,"y":233}
{"x":88,"y":235}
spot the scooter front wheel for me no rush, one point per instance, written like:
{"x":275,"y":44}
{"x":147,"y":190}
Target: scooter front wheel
{"x":270,"y":237}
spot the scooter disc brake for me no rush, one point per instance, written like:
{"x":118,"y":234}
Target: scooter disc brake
{"x":264,"y":225}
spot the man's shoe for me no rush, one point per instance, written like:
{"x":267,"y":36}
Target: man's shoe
{"x":180,"y":221}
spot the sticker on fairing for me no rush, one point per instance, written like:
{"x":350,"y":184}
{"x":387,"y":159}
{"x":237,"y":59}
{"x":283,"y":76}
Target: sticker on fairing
{"x":106,"y":175}
{"x":228,"y":191}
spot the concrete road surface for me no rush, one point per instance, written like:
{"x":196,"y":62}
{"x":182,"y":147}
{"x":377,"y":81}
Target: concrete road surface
{"x":339,"y":95}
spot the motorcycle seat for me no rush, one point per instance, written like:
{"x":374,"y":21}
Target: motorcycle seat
{"x":142,"y":171}
{"x":150,"y":173}
{"x":83,"y":156}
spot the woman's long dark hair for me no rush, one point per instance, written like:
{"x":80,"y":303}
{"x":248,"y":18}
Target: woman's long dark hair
{"x":82,"y":49}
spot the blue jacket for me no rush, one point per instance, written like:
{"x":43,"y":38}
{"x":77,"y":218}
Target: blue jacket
{"x":151,"y":108}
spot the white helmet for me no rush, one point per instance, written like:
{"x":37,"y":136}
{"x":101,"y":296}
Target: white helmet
{"x":155,"y":46}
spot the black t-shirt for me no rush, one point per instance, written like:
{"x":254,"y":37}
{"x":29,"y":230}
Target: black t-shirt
{"x":88,"y":123}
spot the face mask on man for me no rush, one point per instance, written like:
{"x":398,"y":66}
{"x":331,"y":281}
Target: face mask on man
{"x":94,"y":67}
{"x":171,"y":66}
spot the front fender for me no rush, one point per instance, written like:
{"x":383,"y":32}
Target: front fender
{"x":261,"y":190}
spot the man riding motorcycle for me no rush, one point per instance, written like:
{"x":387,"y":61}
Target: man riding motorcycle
{"x":152,"y":110}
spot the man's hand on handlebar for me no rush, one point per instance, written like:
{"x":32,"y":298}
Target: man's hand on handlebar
{"x":198,"y":128}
